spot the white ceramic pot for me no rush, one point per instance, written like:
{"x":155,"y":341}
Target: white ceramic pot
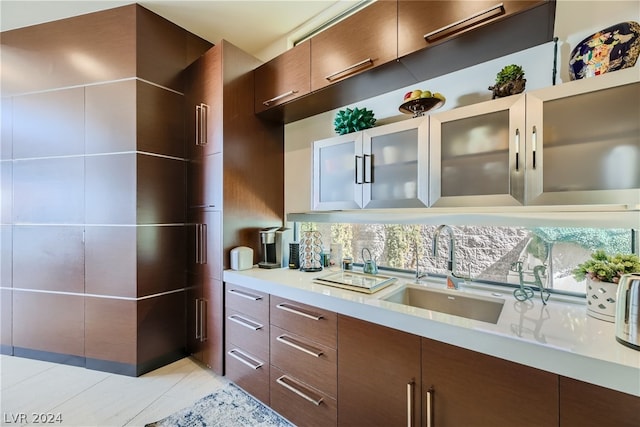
{"x":601,"y":300}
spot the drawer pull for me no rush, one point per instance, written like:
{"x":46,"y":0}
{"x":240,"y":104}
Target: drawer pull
{"x":287,"y":340}
{"x":245,"y":295}
{"x":245,"y":322}
{"x":287,"y":383}
{"x":410,"y":404}
{"x":276,"y":98}
{"x":298,"y":311}
{"x":367,"y":61}
{"x":244,"y":358}
{"x":491,"y":12}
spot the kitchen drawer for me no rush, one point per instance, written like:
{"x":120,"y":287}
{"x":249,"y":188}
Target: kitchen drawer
{"x":305,"y":320}
{"x":247,"y":301}
{"x":249,"y":372}
{"x":299,"y":403}
{"x":247,"y":333}
{"x":308,"y":361}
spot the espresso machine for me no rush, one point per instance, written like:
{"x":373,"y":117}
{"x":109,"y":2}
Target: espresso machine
{"x":275,"y":247}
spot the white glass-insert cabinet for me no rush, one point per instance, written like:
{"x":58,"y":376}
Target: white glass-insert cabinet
{"x":577,"y":143}
{"x":381,"y":167}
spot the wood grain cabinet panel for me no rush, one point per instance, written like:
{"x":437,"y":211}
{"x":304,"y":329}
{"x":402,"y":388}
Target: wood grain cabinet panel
{"x":378,"y":369}
{"x":48,"y":258}
{"x":49,"y":191}
{"x":440,"y":20}
{"x":111,"y":189}
{"x":47,"y":322}
{"x":284,"y":78}
{"x":161,"y":258}
{"x":249,"y":301}
{"x":361,"y":42}
{"x":249,"y":372}
{"x":160,"y":120}
{"x":304,"y":320}
{"x":110,"y":334}
{"x":473,"y":389}
{"x":110,"y":256}
{"x":213,"y":332}
{"x":161,"y":190}
{"x":588,"y":405}
{"x":246,"y":333}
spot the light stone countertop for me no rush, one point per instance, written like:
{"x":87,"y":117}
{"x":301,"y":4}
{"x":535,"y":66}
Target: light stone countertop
{"x":558,"y":337}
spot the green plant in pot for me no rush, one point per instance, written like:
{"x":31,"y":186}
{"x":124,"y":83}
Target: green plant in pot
{"x":603,"y":272}
{"x":349,"y":120}
{"x":509,"y":81}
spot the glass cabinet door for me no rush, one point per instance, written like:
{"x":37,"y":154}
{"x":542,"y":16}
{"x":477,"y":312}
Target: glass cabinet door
{"x":583,"y":141}
{"x":396,"y":165}
{"x":477,"y":154}
{"x":337,"y":172}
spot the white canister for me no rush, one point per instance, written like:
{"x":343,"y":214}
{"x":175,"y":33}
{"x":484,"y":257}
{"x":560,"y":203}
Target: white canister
{"x":241,"y":258}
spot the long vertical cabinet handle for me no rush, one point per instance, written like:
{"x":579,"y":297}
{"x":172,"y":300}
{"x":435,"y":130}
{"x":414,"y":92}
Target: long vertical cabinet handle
{"x":367,"y":165}
{"x":203,"y":323}
{"x":359,"y":176}
{"x":203,"y":243}
{"x":197,"y":320}
{"x":197,"y":124}
{"x":430,"y":407}
{"x":295,"y":310}
{"x":534,"y":145}
{"x":517,"y":144}
{"x":410,"y":387}
{"x":202,"y":112}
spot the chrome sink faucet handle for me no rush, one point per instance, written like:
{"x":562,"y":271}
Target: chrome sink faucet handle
{"x":453,"y":281}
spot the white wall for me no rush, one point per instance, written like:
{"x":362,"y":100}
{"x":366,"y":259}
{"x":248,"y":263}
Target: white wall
{"x":575,"y":20}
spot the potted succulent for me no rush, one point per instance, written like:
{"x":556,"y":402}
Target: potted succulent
{"x":349,"y":120}
{"x":509,"y":81}
{"x":603,"y":272}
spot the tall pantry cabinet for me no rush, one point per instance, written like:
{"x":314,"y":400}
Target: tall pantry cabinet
{"x":235,"y":185}
{"x":94,"y":190}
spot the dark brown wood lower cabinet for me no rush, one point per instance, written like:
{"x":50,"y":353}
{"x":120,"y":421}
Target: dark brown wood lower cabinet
{"x":466,"y":388}
{"x":588,"y":405}
{"x":378,"y":375}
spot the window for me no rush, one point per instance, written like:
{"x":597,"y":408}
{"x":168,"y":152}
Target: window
{"x":486,"y":254}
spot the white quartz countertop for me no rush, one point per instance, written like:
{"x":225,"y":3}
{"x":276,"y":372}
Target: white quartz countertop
{"x":558,"y":337}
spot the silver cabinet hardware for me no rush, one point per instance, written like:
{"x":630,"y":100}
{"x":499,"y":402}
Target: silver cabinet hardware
{"x":367,"y":164}
{"x":491,"y":12}
{"x":430,"y":407}
{"x":202,"y":112}
{"x":279,"y":97}
{"x":203,"y":323}
{"x":197,"y":319}
{"x":287,"y":383}
{"x":517,"y":144}
{"x":367,"y":61}
{"x":295,"y":310}
{"x":244,"y":295}
{"x":243,"y":321}
{"x":244,"y":358}
{"x":410,"y":404}
{"x":534,"y":145}
{"x":287,"y":340}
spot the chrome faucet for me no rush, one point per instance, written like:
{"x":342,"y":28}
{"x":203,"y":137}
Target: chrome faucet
{"x":453,"y":281}
{"x":419,"y":275}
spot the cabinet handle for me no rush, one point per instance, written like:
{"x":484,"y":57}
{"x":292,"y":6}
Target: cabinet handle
{"x":358,"y":178}
{"x":291,"y":387}
{"x":491,"y":12}
{"x":242,"y":358}
{"x":276,"y":98}
{"x":203,"y":317}
{"x":430,"y":407}
{"x":534,"y":145}
{"x":298,"y":311}
{"x":367,"y":167}
{"x":517,"y":144}
{"x":245,"y":295}
{"x":410,"y":404}
{"x":197,"y":230}
{"x":245,"y":322}
{"x":369,"y":61}
{"x":197,"y":124}
{"x":287,"y":340}
{"x":197,"y":319}
{"x":203,"y":243}
{"x":204,"y":112}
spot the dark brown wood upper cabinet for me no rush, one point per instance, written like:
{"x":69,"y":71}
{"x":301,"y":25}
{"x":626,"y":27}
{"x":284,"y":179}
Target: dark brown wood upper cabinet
{"x":284,"y":78}
{"x":361,"y":42}
{"x":424,"y":23}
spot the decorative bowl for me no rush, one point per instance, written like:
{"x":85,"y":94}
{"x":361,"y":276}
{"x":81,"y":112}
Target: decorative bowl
{"x":418,"y":107}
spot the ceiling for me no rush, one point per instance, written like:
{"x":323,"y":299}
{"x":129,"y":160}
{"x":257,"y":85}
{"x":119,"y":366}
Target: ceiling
{"x":252,"y":25}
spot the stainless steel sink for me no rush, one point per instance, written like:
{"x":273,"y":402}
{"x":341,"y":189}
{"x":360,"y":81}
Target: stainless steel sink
{"x":477,"y":307}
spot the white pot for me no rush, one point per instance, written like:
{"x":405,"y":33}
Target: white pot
{"x":601,"y":300}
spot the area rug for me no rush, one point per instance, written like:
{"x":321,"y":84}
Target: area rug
{"x":228,"y":407}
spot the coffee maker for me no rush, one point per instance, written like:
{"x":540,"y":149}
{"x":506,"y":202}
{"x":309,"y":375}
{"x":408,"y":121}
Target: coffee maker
{"x":275,"y":247}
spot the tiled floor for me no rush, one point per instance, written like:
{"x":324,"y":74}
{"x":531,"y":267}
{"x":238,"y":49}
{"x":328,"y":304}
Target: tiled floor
{"x":81,"y":397}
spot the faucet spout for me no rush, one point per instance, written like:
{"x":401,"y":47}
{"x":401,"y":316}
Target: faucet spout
{"x":453,"y":281}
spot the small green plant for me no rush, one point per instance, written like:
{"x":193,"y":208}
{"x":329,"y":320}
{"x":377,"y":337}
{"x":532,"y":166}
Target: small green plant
{"x":509,"y":73}
{"x":607,"y":268}
{"x":349,"y":120}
